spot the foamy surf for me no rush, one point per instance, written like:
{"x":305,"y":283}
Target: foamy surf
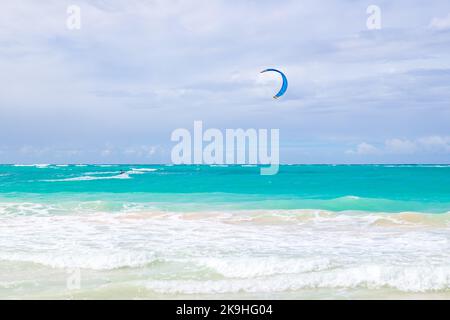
{"x":105,"y":175}
{"x":234,"y":252}
{"x":144,"y":169}
{"x":39,"y":165}
{"x":91,"y":178}
{"x":406,"y":279}
{"x":141,"y":170}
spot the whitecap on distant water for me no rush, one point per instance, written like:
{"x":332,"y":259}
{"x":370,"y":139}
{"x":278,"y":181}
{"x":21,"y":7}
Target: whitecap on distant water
{"x":44,"y":165}
{"x":141,"y":170}
{"x":417,"y":166}
{"x":90,"y":178}
{"x":351,"y":197}
{"x":100,"y":172}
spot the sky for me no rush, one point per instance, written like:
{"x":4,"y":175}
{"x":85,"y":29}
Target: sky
{"x":114,"y":90}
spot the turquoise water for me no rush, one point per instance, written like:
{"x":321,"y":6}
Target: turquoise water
{"x":387,"y":188}
{"x":159,"y":231}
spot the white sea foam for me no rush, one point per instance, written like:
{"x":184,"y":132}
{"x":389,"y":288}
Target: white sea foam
{"x":242,"y":251}
{"x":141,"y":170}
{"x":132,"y":171}
{"x":94,"y":261}
{"x":246,"y":267}
{"x":409,"y":279}
{"x":25,"y":208}
{"x":90,"y":178}
{"x":145,"y":169}
{"x":43,"y":165}
{"x":100,"y":172}
{"x":417,"y":166}
{"x":351,"y":197}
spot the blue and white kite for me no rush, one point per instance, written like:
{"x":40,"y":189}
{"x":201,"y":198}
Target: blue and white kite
{"x":284,"y":85}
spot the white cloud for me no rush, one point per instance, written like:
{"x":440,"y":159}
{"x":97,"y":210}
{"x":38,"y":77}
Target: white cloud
{"x":400,"y":146}
{"x":364,"y":149}
{"x":138,"y":69}
{"x":107,"y":151}
{"x":141,"y":151}
{"x":424,"y":145}
{"x":435,"y":143}
{"x":34,"y":151}
{"x":440,"y":23}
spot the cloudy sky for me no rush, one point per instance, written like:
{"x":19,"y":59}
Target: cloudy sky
{"x":113,"y":91}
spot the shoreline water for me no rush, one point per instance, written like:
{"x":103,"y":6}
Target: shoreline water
{"x":309,"y":233}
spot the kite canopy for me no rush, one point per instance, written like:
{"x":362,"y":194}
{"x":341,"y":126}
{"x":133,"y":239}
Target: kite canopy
{"x":283,"y":86}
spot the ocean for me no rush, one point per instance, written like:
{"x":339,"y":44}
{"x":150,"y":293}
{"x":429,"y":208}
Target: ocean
{"x":201,"y":232}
